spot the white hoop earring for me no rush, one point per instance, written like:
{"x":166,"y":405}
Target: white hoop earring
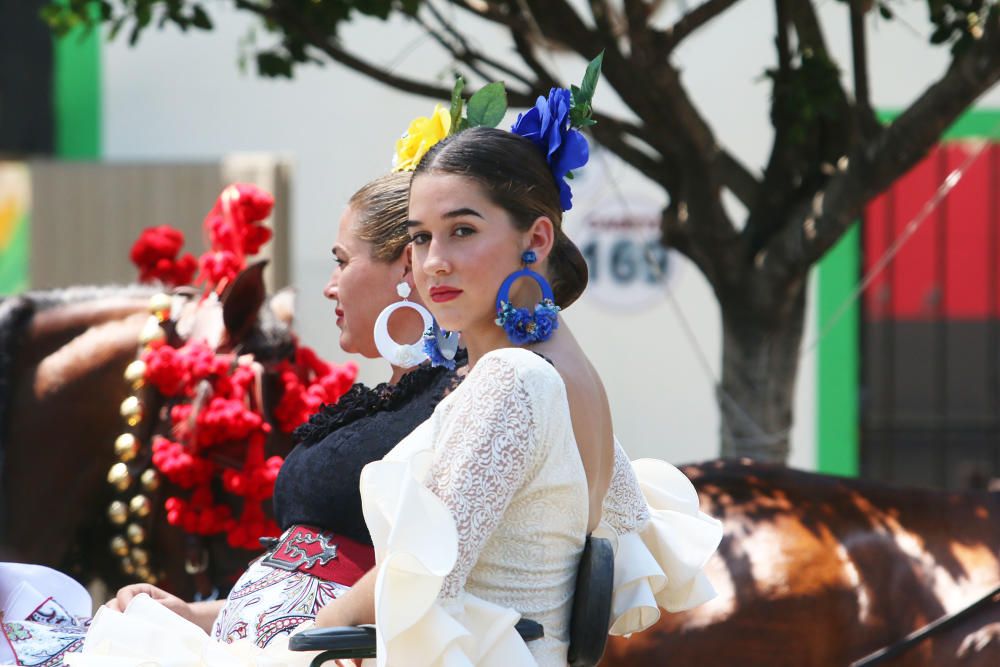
{"x":402,"y":356}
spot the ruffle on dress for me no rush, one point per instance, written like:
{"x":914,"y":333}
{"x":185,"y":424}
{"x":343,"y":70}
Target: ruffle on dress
{"x":416,"y":546}
{"x":147,"y":634}
{"x":661,"y":565}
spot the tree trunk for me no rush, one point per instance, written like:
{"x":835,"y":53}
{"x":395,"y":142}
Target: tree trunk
{"x":760,"y":358}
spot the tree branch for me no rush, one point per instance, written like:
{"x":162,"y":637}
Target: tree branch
{"x":489,"y":11}
{"x":875,"y":164}
{"x":667,"y":40}
{"x":859,"y":56}
{"x":779,"y":175}
{"x":467,"y":53}
{"x":737,"y":178}
{"x":866,"y":122}
{"x":458,"y":54}
{"x":640,"y":36}
{"x":335,"y":53}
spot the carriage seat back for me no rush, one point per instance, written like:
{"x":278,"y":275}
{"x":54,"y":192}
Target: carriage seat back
{"x":591,"y":613}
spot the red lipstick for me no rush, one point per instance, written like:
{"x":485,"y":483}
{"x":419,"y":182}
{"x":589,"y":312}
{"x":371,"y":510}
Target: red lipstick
{"x":443,"y":293}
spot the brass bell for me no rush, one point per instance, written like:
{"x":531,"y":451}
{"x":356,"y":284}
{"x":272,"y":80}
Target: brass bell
{"x":152,"y":331}
{"x":119,"y":477}
{"x":150,"y":480}
{"x":119,"y":546}
{"x":131,"y":410}
{"x":140,"y":506}
{"x":135,"y":373}
{"x":140,"y":557}
{"x":126,"y":447}
{"x":135,"y":533}
{"x":127,"y":566}
{"x":117,"y":512}
{"x":159,"y":305}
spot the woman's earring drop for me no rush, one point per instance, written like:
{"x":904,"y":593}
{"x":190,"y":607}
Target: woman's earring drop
{"x":402,"y":356}
{"x":441,"y":346}
{"x":522,"y":325}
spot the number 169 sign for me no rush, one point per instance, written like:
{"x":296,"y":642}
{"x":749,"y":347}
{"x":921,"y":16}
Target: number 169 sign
{"x":629,"y":268}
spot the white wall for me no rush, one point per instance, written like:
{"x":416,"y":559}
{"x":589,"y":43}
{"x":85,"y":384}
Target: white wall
{"x":182,"y":96}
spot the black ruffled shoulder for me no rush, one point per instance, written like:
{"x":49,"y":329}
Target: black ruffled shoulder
{"x":362,"y":400}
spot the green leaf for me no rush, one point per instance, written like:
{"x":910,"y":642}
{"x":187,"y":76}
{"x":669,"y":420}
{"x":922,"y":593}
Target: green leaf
{"x":488,"y":105}
{"x":200,"y":18}
{"x":579,"y":113}
{"x":143,"y":14}
{"x":273,"y":64}
{"x":590,"y":78}
{"x":116,"y":26}
{"x":456,"y":103}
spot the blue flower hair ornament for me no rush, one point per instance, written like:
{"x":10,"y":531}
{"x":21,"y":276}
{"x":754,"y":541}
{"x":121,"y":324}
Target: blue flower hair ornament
{"x":551,"y":125}
{"x":547,"y":124}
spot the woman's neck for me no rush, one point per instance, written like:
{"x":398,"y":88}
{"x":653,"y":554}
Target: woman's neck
{"x":398,"y":372}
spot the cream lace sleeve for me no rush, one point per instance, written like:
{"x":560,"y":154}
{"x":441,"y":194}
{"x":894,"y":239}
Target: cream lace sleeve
{"x":624,"y":509}
{"x":482,"y":454}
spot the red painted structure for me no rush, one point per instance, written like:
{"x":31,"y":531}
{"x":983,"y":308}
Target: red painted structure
{"x":930,"y":332}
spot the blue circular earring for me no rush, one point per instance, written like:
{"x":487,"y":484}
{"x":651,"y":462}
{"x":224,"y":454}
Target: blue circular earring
{"x":441,"y":346}
{"x":521,"y":324}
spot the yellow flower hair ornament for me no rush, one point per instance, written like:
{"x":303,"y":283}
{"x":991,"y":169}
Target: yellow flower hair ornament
{"x":423,"y":133}
{"x":485,"y":108}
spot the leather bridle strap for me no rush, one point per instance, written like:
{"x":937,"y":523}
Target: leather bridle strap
{"x":909,"y":641}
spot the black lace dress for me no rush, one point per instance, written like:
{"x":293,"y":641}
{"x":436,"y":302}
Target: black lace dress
{"x":319,"y":486}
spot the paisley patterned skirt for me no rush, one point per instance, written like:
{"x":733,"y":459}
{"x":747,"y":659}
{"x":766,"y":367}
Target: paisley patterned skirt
{"x":45,"y":637}
{"x":267,"y":602}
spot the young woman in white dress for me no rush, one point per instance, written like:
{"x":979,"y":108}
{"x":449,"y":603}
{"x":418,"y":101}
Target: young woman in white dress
{"x":480,"y":515}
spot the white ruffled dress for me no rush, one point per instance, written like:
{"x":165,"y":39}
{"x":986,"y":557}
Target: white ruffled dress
{"x":478,"y":518}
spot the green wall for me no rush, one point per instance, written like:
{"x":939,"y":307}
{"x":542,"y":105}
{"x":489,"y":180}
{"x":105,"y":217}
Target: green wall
{"x":77,"y":98}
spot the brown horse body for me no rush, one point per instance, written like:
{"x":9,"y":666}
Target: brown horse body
{"x":818,"y":571}
{"x":63,"y":389}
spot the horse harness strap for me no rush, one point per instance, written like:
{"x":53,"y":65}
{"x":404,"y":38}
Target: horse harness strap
{"x":906,"y":643}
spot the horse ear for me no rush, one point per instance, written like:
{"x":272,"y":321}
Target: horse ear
{"x":242,"y":301}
